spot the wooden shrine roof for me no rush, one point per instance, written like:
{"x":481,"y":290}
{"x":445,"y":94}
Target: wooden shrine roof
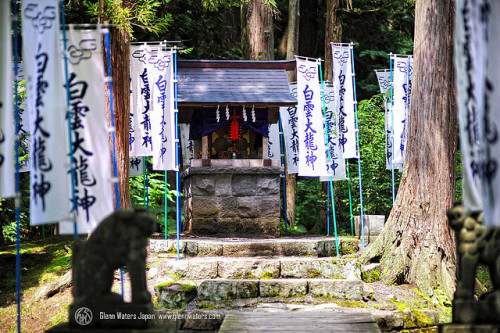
{"x":219,"y":82}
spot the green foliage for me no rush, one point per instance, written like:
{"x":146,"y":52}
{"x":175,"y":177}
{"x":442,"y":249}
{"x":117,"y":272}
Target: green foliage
{"x":7,"y":206}
{"x":141,"y":14}
{"x":309,"y":199}
{"x":156,"y":195}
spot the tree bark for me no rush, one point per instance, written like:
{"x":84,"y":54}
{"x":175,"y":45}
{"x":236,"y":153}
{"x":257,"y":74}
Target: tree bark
{"x":292,"y":47}
{"x":333,"y":33}
{"x":416,"y":244}
{"x":120,"y":43}
{"x":257,"y":37}
{"x":308,"y":30}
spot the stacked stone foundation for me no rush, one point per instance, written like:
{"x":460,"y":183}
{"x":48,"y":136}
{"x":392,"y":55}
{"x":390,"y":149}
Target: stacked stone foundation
{"x":232,"y":201}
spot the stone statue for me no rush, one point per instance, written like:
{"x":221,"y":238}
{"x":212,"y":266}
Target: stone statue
{"x":119,"y":241}
{"x":476,"y":245}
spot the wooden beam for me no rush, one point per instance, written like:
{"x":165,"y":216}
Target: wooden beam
{"x":277,"y":64}
{"x":265,"y":148}
{"x":204,"y":147}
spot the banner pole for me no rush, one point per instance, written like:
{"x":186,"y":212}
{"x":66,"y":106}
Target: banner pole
{"x":165,"y":199}
{"x":328,"y":209}
{"x":351,"y":216}
{"x":69,"y":112}
{"x":18,"y":180}
{"x":112,"y":117}
{"x":177,"y":164}
{"x":392,"y":129}
{"x":284,"y":171}
{"x":165,"y":183}
{"x":329,"y":158}
{"x":358,"y":143}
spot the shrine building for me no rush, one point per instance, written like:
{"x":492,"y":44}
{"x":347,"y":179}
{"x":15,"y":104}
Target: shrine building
{"x":232,"y":187}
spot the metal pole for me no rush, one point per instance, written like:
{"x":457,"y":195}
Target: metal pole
{"x":177,"y":177}
{"x":357,"y":139}
{"x":284,"y":171}
{"x":329,"y":159}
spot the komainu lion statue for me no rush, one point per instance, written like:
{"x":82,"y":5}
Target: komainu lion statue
{"x":119,"y":241}
{"x":476,"y":245}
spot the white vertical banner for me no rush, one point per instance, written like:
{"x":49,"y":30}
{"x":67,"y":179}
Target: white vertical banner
{"x":312,"y":145}
{"x":135,"y":166}
{"x":336,"y":168}
{"x":384,"y":83}
{"x":49,"y":195}
{"x":289,"y":123}
{"x":470,"y":63}
{"x":273,"y":148}
{"x":187,"y":146}
{"x":7,"y":123}
{"x":161,"y":71}
{"x":141,"y":143}
{"x":90,"y":148}
{"x":344,"y":99}
{"x":403,"y":68}
{"x":491,"y":120}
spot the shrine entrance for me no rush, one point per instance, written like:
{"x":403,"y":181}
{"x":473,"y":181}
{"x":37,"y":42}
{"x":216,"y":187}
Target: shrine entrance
{"x":231,"y":186}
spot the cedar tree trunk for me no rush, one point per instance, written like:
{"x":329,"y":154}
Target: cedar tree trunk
{"x":416,"y":244}
{"x":120,"y":42}
{"x":257,"y":37}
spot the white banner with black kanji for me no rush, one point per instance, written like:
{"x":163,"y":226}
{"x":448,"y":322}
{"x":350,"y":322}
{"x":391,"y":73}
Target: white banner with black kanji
{"x":402,"y":76}
{"x":312,"y":144}
{"x":336,"y":167}
{"x":344,"y":100}
{"x":274,"y":147}
{"x":46,"y":104}
{"x":90,"y":147}
{"x":7,"y":126}
{"x":289,"y":123}
{"x":187,"y":146}
{"x":140,"y":139}
{"x":161,"y":74}
{"x":470,"y":63}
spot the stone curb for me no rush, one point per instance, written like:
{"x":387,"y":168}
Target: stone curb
{"x":321,"y":247}
{"x":224,"y":289}
{"x":260,"y":268}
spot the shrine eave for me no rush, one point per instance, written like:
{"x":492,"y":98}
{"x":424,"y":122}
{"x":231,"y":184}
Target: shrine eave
{"x":243,"y":85}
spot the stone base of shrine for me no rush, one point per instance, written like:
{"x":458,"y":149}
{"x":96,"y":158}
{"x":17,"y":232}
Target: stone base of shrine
{"x":239,"y":198}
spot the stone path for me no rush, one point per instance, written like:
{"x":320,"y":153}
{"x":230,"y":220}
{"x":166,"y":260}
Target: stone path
{"x":318,"y":322}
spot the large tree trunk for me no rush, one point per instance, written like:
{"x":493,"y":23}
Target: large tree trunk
{"x":120,"y":43}
{"x":416,"y":245}
{"x":257,"y":37}
{"x":308,"y":43}
{"x":292,"y":47}
{"x":333,"y":33}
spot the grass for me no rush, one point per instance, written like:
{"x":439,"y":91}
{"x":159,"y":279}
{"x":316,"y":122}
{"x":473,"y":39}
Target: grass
{"x":42,"y":261}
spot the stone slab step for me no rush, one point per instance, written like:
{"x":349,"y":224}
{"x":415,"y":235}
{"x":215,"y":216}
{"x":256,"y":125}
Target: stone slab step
{"x":243,"y":247}
{"x":292,"y":322}
{"x":258,"y":268}
{"x":227,"y":289}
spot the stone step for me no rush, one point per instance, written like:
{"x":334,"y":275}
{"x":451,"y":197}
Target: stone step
{"x":243,"y":247}
{"x":217,"y":290}
{"x":258,"y":268}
